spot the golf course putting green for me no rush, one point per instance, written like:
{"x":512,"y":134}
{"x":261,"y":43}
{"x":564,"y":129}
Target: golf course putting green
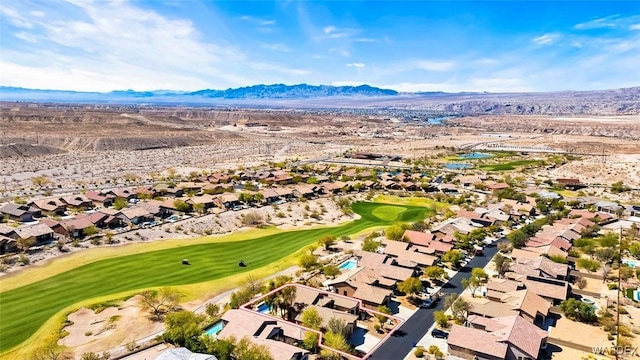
{"x":25,"y":309}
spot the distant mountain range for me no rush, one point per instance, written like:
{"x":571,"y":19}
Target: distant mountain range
{"x":624,"y":101}
{"x":275,"y":91}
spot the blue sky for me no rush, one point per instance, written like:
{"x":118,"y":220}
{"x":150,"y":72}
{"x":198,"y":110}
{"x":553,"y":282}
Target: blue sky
{"x":407,"y":46}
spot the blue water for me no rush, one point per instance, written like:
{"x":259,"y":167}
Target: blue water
{"x":348,"y":265}
{"x":264,"y":308}
{"x":476,"y":155}
{"x":632,"y":263}
{"x":215,"y":328}
{"x":438,"y":120}
{"x":458,"y":166}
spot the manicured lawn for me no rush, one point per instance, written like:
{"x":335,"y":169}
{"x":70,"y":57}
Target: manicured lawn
{"x":24,"y":309}
{"x":388,"y":212}
{"x":431,"y":204}
{"x":507,"y":166}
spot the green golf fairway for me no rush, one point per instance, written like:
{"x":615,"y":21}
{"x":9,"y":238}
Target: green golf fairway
{"x":25,"y":309}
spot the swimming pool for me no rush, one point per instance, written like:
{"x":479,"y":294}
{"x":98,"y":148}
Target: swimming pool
{"x":348,"y":265}
{"x":632,"y":263}
{"x":264,"y":308}
{"x":476,"y":155}
{"x":215,"y":328}
{"x":458,"y":166}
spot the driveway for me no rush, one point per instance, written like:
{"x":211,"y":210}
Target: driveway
{"x":412,"y":331}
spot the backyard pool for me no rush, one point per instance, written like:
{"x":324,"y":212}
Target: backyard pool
{"x":476,"y":155}
{"x":632,"y":263}
{"x":264,"y":308}
{"x":348,"y":265}
{"x":458,"y":166}
{"x":215,"y":328}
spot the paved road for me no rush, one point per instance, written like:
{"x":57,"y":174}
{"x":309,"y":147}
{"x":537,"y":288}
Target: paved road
{"x":399,"y":345}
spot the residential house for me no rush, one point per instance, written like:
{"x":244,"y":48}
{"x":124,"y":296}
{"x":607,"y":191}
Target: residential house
{"x":7,"y":244}
{"x":540,"y":267}
{"x":183,"y":354}
{"x":363,"y":283}
{"x":608,"y":207}
{"x":136,"y":215}
{"x":634,"y":210}
{"x":168,"y":190}
{"x":99,"y":199}
{"x":51,"y":207}
{"x":497,"y":186}
{"x":114,"y":219}
{"x":554,"y":291}
{"x":570,"y":183}
{"x":305,"y":191}
{"x":405,"y":255}
{"x":77,"y":202}
{"x":19,"y":212}
{"x":285,"y":193}
{"x":228,"y":200}
{"x":496,"y":288}
{"x":327,"y":314}
{"x":270,"y":195}
{"x":74,"y":228}
{"x":124,"y":193}
{"x":157,"y":208}
{"x":278,"y":336}
{"x":504,"y":338}
{"x":207,"y":201}
{"x":39,"y":233}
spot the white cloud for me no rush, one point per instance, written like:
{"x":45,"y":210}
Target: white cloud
{"x":117,"y":45}
{"x":38,"y":13}
{"x":546,"y":39}
{"x":329,"y":29}
{"x":26,"y":37}
{"x":276,"y":47}
{"x":605,"y":22}
{"x":356,"y":65}
{"x":347,"y":83}
{"x":437,"y":66}
{"x":332,"y":32}
{"x":258,"y":21}
{"x":634,"y":27}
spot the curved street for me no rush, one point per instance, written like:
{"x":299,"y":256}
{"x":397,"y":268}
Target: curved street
{"x":404,"y":338}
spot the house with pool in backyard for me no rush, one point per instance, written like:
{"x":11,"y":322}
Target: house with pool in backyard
{"x":283,"y":332}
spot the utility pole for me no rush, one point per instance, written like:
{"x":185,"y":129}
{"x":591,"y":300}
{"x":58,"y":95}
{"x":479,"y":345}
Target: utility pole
{"x":618,"y":304}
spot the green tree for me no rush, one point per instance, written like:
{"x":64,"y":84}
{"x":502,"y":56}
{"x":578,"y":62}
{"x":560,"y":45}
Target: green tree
{"x":221,"y":348}
{"x":213,"y":311}
{"x":327,"y":241}
{"x":435,"y":272}
{"x":577,"y":310}
{"x":308,"y":261}
{"x":158,"y":301}
{"x":247,"y":350}
{"x":331,"y":270}
{"x":199,"y":208}
{"x":626,"y":272}
{"x":502,"y":263}
{"x":91,"y":230}
{"x":634,"y":249}
{"x":619,"y":187}
{"x":181,"y":205}
{"x":337,"y":326}
{"x":120,"y":203}
{"x":371,"y":245}
{"x":381,"y":318}
{"x":588,"y":264}
{"x":517,"y":238}
{"x":609,"y":240}
{"x":395,"y":231}
{"x":310,"y":341}
{"x":40,"y":181}
{"x":480,"y":274}
{"x":454,"y":257}
{"x":441,"y":318}
{"x":459,"y":306}
{"x":183,"y":328}
{"x":311,"y":318}
{"x":25,"y":243}
{"x":410,"y":286}
{"x":335,"y":341}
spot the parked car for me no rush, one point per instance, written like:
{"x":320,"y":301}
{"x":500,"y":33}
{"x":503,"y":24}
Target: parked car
{"x":427,"y":303}
{"x":437,"y":333}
